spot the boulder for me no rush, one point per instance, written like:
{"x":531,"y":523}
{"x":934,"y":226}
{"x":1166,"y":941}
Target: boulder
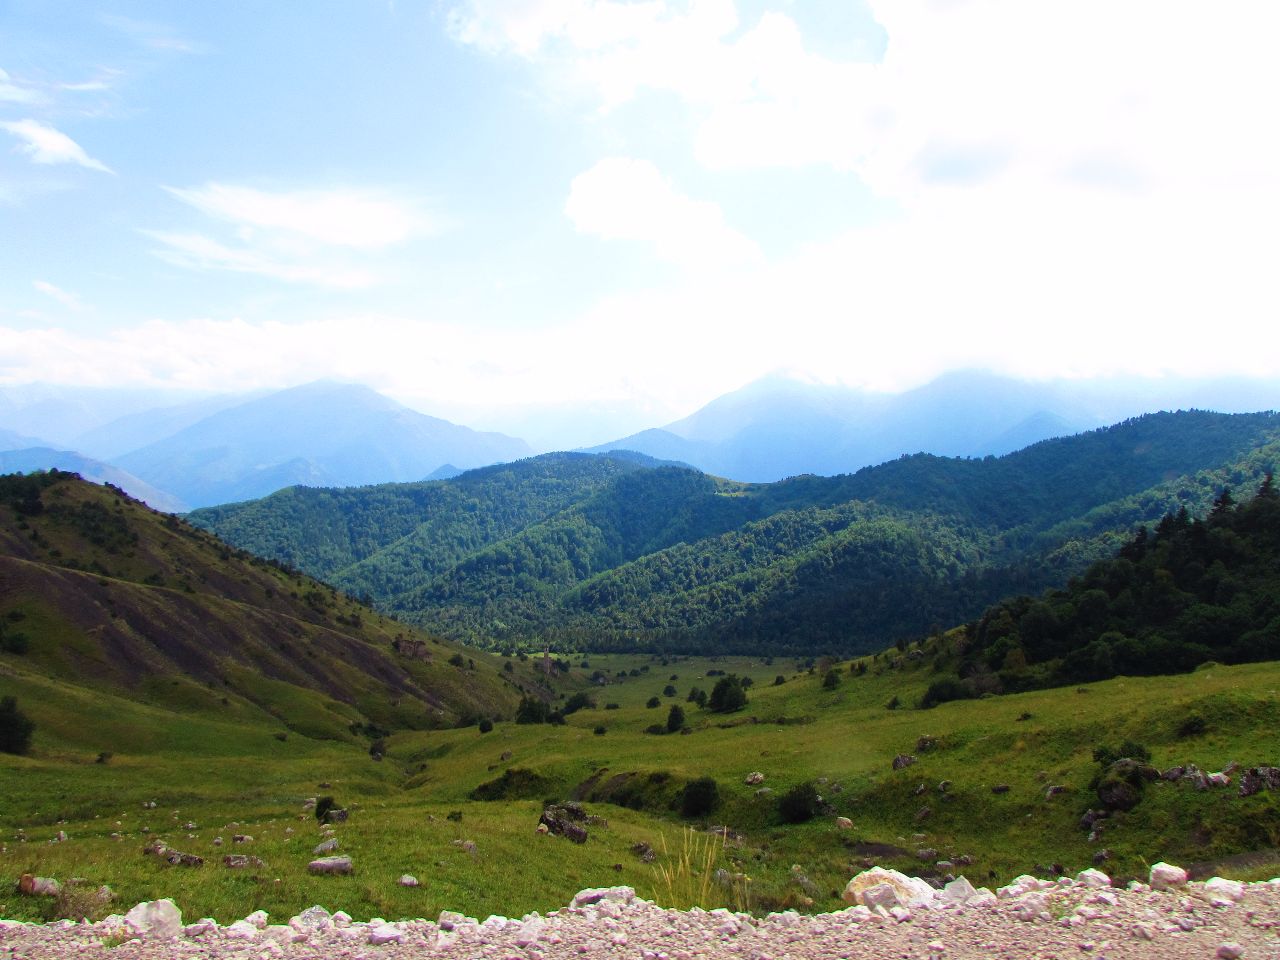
{"x":844,"y":823}
{"x":1165,"y":876}
{"x":329,"y":846}
{"x":959,"y":891}
{"x":754,"y":779}
{"x":33,"y":886}
{"x":155,"y":920}
{"x":1256,"y":779}
{"x":1218,"y":888}
{"x":330,"y":865}
{"x":593,"y":895}
{"x":312,"y":920}
{"x":1093,"y":878}
{"x":408,"y":880}
{"x":239,"y":861}
{"x":902,"y":761}
{"x":925,"y":743}
{"x":909,"y":891}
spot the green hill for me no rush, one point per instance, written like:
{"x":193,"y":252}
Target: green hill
{"x":105,"y":600}
{"x":609,"y":553}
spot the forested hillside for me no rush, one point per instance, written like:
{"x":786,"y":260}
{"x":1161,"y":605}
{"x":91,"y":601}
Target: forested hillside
{"x":1191,"y":591}
{"x":623,"y":554}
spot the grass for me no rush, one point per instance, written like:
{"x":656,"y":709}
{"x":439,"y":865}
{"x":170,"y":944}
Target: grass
{"x":233,"y":775}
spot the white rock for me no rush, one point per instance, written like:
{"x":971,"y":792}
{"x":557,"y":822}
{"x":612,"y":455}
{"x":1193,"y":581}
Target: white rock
{"x":408,"y":880}
{"x":340,"y":918}
{"x":1032,"y":906}
{"x":241,"y":930}
{"x":910,"y":891}
{"x":1093,"y":878}
{"x":882,"y":895}
{"x":449,"y":920}
{"x":959,"y":891}
{"x":982,"y":897}
{"x":754,"y":778}
{"x":258,"y":918}
{"x":901,"y":914}
{"x":312,"y":920}
{"x":385,"y":933}
{"x":858,"y":914}
{"x":1165,"y":876}
{"x":844,"y":823}
{"x":155,"y":920}
{"x":1222,"y":889}
{"x":495,"y":923}
{"x":530,"y":931}
{"x":604,"y":894}
{"x":201,"y":927}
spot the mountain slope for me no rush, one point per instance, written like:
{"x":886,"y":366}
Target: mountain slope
{"x":318,"y":434}
{"x":111,"y":596}
{"x":95,"y":471}
{"x":674,"y":558}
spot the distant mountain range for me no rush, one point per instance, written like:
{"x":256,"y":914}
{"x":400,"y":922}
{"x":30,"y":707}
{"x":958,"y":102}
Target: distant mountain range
{"x":780,"y":427}
{"x":223,"y":449}
{"x":181,"y":450}
{"x":617,"y":551}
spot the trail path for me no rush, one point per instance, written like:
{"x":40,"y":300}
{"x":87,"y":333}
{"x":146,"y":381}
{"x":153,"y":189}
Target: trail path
{"x":1065,"y":919}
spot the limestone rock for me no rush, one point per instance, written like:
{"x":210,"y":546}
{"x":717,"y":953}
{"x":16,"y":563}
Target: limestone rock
{"x":330,"y":865}
{"x":155,"y":920}
{"x":408,"y":880}
{"x":1093,"y":878}
{"x":1165,"y":876}
{"x":33,"y":886}
{"x":754,"y":779}
{"x":844,"y":823}
{"x":329,"y":846}
{"x":908,"y":891}
{"x":1222,"y":889}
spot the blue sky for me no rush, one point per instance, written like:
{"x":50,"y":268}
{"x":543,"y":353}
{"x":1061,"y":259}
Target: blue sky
{"x":501,"y":210}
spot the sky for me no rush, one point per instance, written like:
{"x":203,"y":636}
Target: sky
{"x":503,"y":212}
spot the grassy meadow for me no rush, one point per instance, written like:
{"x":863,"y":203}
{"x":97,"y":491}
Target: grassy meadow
{"x":230,"y":770}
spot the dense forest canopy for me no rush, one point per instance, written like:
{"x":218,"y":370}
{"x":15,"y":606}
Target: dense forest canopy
{"x":622,"y":552}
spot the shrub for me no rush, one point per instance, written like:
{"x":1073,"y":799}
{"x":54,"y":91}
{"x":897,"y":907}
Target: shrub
{"x":831,"y":680}
{"x":894,"y":703}
{"x":779,"y":680}
{"x":486,"y":725}
{"x":16,"y":728}
{"x":668,"y":691}
{"x":799,"y":804}
{"x":1129,"y":750}
{"x":599,"y":731}
{"x":727,"y":696}
{"x":675,"y":718}
{"x":1192,"y":726}
{"x":699,"y":798}
{"x":532,"y":710}
{"x":378,"y":749}
{"x":579,"y":701}
{"x":611,"y":706}
{"x":653,"y":702}
{"x":323,"y":806}
{"x":656,"y":729}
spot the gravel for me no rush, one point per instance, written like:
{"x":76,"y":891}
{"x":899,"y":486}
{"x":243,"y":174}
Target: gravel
{"x":1043,"y":919}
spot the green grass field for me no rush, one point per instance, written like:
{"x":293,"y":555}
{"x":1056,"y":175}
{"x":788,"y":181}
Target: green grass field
{"x":226,"y":769}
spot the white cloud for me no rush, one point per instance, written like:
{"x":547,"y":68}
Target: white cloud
{"x":345,"y":218}
{"x":199,"y":252}
{"x":11,"y":92}
{"x":301,"y":236}
{"x":67,"y":299}
{"x":44,"y":144}
{"x":625,"y":199}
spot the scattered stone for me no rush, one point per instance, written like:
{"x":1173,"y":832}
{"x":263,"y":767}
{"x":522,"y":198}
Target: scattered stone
{"x":242,"y":838}
{"x":959,"y":891}
{"x":903,"y":760}
{"x":1165,"y":876}
{"x":925,"y":743}
{"x":382,"y":933}
{"x":926,"y":854}
{"x":33,"y":886}
{"x":239,"y":861}
{"x":1000,"y":788}
{"x":924,"y":813}
{"x":1256,"y":779}
{"x":241,"y":930}
{"x":944,"y":786}
{"x":1230,"y":951}
{"x":1054,"y":789}
{"x":1221,"y":889}
{"x":641,"y":850}
{"x":330,"y":865}
{"x":258,"y":919}
{"x":329,"y":846}
{"x":408,"y":880}
{"x":466,"y":846}
{"x":754,"y":779}
{"x":312,"y":920}
{"x":844,"y":823}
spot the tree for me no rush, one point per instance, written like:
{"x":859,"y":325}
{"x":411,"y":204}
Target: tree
{"x":16,"y":728}
{"x":532,"y":710}
{"x":727,"y":696}
{"x":699,"y":797}
{"x":675,"y":718}
{"x":831,"y":680}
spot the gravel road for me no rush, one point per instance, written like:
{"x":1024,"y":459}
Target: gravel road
{"x":1037,"y":920}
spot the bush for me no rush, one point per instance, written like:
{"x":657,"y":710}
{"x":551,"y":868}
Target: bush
{"x":799,"y":804}
{"x":831,"y":680}
{"x":1129,"y":750}
{"x":699,"y":798}
{"x":668,"y":691}
{"x":486,"y":725}
{"x":378,"y":749}
{"x":727,"y":696}
{"x":532,"y":710}
{"x":579,"y":701}
{"x":599,"y":731}
{"x":675,"y":718}
{"x":16,"y":728}
{"x":323,"y":806}
{"x":779,"y":680}
{"x":653,"y":702}
{"x":1193,"y":726}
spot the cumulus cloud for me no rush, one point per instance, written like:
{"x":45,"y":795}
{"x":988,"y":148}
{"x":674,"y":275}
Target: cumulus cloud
{"x":627,"y":199}
{"x":43,"y":144}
